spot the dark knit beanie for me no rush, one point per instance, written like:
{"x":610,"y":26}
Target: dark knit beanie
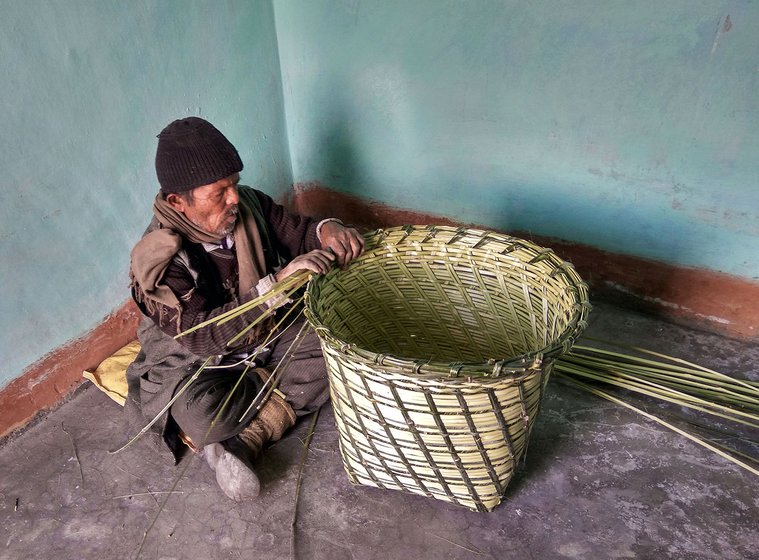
{"x":191,"y":153}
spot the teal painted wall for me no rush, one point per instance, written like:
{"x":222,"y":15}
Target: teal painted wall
{"x":85,"y":87}
{"x":629,"y":126}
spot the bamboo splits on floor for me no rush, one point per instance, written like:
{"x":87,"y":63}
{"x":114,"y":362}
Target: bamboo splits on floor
{"x":667,"y":379}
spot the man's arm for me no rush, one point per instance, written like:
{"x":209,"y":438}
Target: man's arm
{"x":293,"y":235}
{"x":195,"y":309}
{"x":345,"y":243}
{"x":296,"y":235}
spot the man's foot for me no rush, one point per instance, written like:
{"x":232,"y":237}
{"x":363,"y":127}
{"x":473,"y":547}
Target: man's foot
{"x":232,"y":460}
{"x":235,"y":475}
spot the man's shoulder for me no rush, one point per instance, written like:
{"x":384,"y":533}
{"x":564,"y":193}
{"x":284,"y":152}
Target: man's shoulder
{"x":167,"y":236}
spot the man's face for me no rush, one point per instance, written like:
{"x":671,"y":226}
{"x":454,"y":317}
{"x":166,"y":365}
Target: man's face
{"x":212,"y":207}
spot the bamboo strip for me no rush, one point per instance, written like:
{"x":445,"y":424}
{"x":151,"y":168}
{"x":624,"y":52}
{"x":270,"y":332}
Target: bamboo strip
{"x":683,"y":433}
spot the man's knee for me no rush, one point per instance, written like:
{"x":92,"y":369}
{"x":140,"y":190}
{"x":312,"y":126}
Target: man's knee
{"x":214,"y":412}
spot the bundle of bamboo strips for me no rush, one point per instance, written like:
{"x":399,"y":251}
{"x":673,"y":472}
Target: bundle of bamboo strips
{"x":671,"y":380}
{"x":284,"y":289}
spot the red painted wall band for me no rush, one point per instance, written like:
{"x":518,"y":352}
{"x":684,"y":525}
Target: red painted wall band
{"x":46,"y":382}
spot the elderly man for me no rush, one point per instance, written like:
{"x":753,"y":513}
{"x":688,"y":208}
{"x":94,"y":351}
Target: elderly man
{"x":212,"y":245}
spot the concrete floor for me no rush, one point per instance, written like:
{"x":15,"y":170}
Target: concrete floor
{"x":599,"y":482}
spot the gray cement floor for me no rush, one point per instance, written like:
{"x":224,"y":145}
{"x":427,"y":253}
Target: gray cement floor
{"x":599,"y":482}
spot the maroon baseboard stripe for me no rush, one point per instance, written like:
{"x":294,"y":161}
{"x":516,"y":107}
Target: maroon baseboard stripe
{"x":701,"y":298}
{"x":46,"y":382}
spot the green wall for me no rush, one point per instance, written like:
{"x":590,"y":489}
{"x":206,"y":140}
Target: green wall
{"x":629,"y":126}
{"x":632,"y":126}
{"x":85,"y":87}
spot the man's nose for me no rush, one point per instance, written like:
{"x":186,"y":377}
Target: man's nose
{"x":233,"y":197}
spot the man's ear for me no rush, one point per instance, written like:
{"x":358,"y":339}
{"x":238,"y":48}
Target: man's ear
{"x":176,"y":202}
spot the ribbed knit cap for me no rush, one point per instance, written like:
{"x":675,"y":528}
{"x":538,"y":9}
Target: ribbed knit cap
{"x":191,"y":153}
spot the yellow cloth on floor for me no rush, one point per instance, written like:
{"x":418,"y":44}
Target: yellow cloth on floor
{"x":110,"y":375}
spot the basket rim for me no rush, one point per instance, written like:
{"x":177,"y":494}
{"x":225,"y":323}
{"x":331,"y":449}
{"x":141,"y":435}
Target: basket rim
{"x":420,"y":368}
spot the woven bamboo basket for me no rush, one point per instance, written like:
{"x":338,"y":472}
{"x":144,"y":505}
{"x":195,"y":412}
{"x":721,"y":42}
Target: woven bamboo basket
{"x":439,"y":342}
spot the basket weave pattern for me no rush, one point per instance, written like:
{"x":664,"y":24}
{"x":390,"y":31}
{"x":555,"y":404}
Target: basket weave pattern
{"x":439,"y":342}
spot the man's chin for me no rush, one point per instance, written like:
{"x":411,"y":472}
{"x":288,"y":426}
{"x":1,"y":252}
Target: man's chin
{"x":227,"y":230}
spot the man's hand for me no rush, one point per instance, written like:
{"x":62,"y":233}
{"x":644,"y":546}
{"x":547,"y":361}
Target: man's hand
{"x":318,"y":261}
{"x":346,"y":243}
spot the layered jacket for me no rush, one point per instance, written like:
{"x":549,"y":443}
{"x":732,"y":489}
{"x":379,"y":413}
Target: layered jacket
{"x":204,"y":278}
